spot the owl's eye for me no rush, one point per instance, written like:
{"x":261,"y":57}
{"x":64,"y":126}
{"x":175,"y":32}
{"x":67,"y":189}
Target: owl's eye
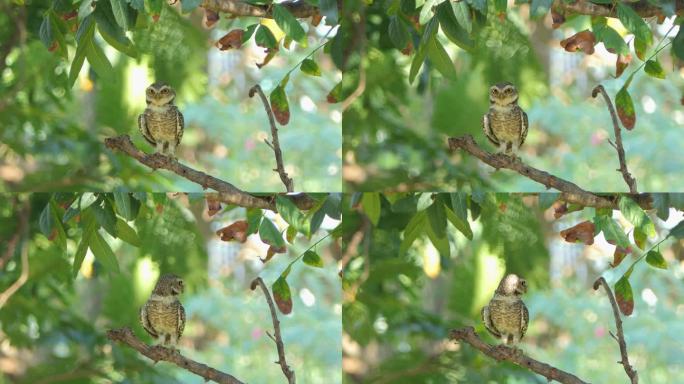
{"x":165,"y":91}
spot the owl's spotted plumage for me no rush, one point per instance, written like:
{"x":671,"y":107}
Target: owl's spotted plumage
{"x":162,"y":123}
{"x":506,"y":315}
{"x":505,"y":124}
{"x":163,"y":316}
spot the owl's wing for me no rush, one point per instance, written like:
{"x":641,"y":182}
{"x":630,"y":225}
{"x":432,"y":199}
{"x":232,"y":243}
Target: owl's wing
{"x":180,"y":126}
{"x":487,"y":128}
{"x":525,"y":125}
{"x":142,"y":126}
{"x":181,"y":319}
{"x":487,"y":320}
{"x":145,"y":321}
{"x":525,"y":318}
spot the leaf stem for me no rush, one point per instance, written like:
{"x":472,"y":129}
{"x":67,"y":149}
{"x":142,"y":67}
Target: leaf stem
{"x":308,"y":55}
{"x":654,"y":54}
{"x":307,"y":250}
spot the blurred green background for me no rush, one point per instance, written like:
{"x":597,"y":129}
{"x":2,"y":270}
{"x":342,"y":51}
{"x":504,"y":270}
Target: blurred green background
{"x":52,"y":136}
{"x":395,"y":133}
{"x":52,"y":330}
{"x":398,"y":308}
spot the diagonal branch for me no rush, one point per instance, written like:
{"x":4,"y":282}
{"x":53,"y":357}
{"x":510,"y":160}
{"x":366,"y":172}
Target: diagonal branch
{"x":631,"y":372}
{"x":585,"y":7}
{"x":157,"y":353}
{"x":23,"y":277}
{"x":289,"y":373}
{"x":515,"y":356}
{"x":631,"y":182}
{"x":299,"y":8}
{"x":275,"y":143}
{"x":227,"y":193}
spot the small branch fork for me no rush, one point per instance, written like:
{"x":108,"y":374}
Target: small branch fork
{"x":298,"y":8}
{"x":157,"y":353}
{"x":631,"y":372}
{"x":504,"y":353}
{"x":275,"y":144}
{"x":227,"y":192}
{"x":631,"y":182}
{"x":289,"y":373}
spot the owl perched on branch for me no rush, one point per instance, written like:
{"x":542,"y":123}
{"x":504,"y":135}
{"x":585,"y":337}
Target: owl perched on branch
{"x":506,"y":315}
{"x":162,"y":123}
{"x":505,"y":125}
{"x":163,"y":316}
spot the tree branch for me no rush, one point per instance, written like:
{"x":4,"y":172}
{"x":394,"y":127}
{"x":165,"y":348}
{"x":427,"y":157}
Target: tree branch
{"x":23,"y":277}
{"x":570,"y":191}
{"x":631,"y":372}
{"x":631,"y":182}
{"x":299,"y":8}
{"x":275,"y":143}
{"x":21,"y":231}
{"x":157,"y":353}
{"x":227,"y":192}
{"x":584,"y":7}
{"x":289,"y":373}
{"x":515,"y":356}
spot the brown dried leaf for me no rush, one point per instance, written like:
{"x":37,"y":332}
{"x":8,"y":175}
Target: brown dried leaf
{"x":210,"y":18}
{"x":213,"y":205}
{"x":272,"y":250}
{"x":581,"y":41}
{"x":621,"y":63}
{"x":619,"y":255}
{"x":270,"y":54}
{"x":408,"y":49}
{"x":232,"y":39}
{"x":236,"y":231}
{"x":582,"y":233}
{"x":69,"y":15}
{"x":316,"y":19}
{"x":557,"y":19}
{"x":559,"y":209}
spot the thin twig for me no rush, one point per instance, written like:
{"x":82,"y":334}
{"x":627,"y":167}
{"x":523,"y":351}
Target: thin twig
{"x":12,"y":243}
{"x":275,"y":144}
{"x":227,"y":192}
{"x":157,"y":353}
{"x":300,"y":9}
{"x":571,"y":193}
{"x":23,"y":277}
{"x":358,"y":91}
{"x":631,"y":372}
{"x":515,"y":356}
{"x":631,"y":182}
{"x":289,"y":373}
{"x":584,"y":7}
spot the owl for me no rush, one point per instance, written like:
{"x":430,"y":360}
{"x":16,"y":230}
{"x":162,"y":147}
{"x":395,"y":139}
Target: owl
{"x":506,"y":315}
{"x":163,"y":316}
{"x":162,"y":123}
{"x":505,"y":125}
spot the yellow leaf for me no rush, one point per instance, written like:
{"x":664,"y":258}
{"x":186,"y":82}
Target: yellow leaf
{"x":274,"y":28}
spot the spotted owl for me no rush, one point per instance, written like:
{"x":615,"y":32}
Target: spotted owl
{"x":505,"y":125}
{"x":163,"y":316}
{"x":506,"y":315}
{"x":162,"y":123}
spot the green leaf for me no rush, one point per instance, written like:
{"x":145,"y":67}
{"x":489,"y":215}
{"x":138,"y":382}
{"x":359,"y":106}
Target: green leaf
{"x":437,"y":218}
{"x":624,"y":296}
{"x":452,"y":28}
{"x":291,"y":214}
{"x":414,"y":228}
{"x":189,"y":5}
{"x":124,"y":205}
{"x":426,"y":12}
{"x":462,"y":14}
{"x":440,"y":242}
{"x":500,"y":5}
{"x":269,"y":233}
{"x":633,"y":212}
{"x":56,"y":25}
{"x":371,"y":206}
{"x":612,"y":231}
{"x":45,"y":32}
{"x":328,"y":8}
{"x":398,"y":32}
{"x":89,"y":225}
{"x":279,"y":104}
{"x":441,"y":59}
{"x":539,"y":8}
{"x":610,"y":38}
{"x":253,"y":220}
{"x":289,"y":24}
{"x":311,"y":258}
{"x":459,"y":223}
{"x":654,"y":69}
{"x":127,"y":233}
{"x":57,"y":224}
{"x":640,"y":238}
{"x":106,"y":217}
{"x":678,"y":44}
{"x":85,"y":33}
{"x":625,"y":108}
{"x":480,"y":5}
{"x":45,"y":221}
{"x":80,"y":255}
{"x":249,"y":31}
{"x":264,"y":38}
{"x":656,"y":260}
{"x":112,"y":33}
{"x":120,"y":11}
{"x":97,"y":59}
{"x":429,"y":32}
{"x":634,"y":23}
{"x":103,"y":252}
{"x":282,"y":295}
{"x":310,"y":67}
